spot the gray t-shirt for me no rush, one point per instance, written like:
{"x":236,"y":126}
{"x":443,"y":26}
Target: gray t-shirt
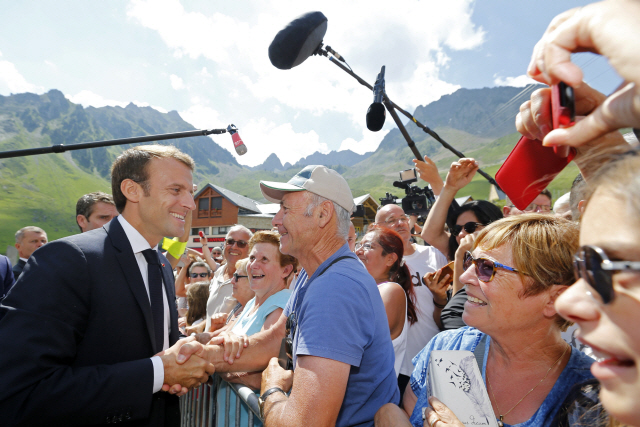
{"x":220,"y":299}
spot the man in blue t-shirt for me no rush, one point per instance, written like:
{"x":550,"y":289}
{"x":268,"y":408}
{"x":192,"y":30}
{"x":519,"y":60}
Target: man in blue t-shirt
{"x":335,"y":319}
{"x":342,"y":352}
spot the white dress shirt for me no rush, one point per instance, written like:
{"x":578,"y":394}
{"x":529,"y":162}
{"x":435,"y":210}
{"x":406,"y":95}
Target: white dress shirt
{"x":139,"y":244}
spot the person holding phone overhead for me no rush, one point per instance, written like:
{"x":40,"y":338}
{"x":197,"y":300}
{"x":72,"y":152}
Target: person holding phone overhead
{"x":467,"y":221}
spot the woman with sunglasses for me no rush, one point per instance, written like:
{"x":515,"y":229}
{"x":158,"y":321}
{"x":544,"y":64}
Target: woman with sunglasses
{"x":515,"y":272}
{"x":605,"y":301}
{"x":381,"y":251}
{"x":465,"y":223}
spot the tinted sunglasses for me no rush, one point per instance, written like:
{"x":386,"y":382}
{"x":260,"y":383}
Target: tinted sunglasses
{"x":238,"y":276}
{"x":241,"y":243}
{"x":593,"y":265}
{"x":194,"y":275}
{"x":469,"y":227}
{"x":485,"y":268}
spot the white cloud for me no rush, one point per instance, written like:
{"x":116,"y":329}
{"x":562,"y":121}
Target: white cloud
{"x":250,"y":90}
{"x":203,"y":117}
{"x":50,"y":65}
{"x":11,"y":81}
{"x":369,"y":142}
{"x":263,"y":137}
{"x":519,"y":81}
{"x":176,"y":82}
{"x":88,"y":98}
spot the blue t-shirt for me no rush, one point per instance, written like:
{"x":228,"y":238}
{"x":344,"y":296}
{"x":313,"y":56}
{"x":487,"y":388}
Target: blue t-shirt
{"x":251,"y":323}
{"x":467,"y":338}
{"x":341,"y":317}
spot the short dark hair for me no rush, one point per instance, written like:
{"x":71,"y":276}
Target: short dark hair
{"x":547,"y":193}
{"x":578,"y":189}
{"x":132,"y":164}
{"x":85,"y":203}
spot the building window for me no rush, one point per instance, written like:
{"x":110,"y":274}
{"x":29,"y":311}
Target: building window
{"x":223,"y":230}
{"x":210,"y":207}
{"x":216,"y":206}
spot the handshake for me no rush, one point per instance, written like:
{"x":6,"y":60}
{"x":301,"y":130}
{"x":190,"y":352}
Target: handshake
{"x":182,"y":373}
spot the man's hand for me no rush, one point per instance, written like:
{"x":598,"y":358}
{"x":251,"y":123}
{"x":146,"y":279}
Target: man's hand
{"x":275,"y":376}
{"x":218,"y":320}
{"x":180,"y":374}
{"x":429,"y":173}
{"x":461,"y":173}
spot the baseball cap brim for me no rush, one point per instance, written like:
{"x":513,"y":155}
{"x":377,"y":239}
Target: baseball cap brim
{"x":275,"y":191}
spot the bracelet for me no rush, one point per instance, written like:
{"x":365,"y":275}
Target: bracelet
{"x":438,"y":305}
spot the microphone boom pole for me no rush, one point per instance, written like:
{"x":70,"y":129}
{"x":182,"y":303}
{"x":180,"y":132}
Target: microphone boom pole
{"x":61,"y":148}
{"x":390,"y":105}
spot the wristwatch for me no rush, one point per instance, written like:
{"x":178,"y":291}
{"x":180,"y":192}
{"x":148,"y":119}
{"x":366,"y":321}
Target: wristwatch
{"x":262,"y":399}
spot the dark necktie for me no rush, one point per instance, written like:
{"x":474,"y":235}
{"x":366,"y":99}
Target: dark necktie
{"x":155,"y":295}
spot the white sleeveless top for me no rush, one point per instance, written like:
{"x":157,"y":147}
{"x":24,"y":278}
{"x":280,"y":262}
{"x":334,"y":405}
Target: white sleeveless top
{"x":400,"y":343}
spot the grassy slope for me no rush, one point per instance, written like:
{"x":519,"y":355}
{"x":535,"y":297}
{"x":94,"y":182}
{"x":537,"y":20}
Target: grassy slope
{"x":34,"y":195}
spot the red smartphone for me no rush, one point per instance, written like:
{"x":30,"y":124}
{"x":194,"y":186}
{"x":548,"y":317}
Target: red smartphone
{"x":201,"y":233}
{"x":531,"y":166}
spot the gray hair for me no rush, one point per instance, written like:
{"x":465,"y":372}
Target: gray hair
{"x":200,"y":264}
{"x":343,"y":216}
{"x":20,"y":233}
{"x":240,"y":227}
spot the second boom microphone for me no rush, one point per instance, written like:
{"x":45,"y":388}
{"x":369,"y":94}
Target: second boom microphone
{"x":376,"y":113}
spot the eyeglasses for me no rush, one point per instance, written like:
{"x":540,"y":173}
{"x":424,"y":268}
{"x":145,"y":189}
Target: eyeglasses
{"x":469,"y":227}
{"x":537,"y":208}
{"x":401,"y":219}
{"x":238,"y":276}
{"x":194,"y":275}
{"x":364,"y":246}
{"x":241,"y":243}
{"x":593,"y":265}
{"x":485,"y":268}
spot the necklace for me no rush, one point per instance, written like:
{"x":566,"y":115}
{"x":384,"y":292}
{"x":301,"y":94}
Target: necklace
{"x":501,"y":417}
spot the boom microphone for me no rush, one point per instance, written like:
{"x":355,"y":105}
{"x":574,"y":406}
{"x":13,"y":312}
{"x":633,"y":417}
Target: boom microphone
{"x":376,"y":112}
{"x":237,"y":141}
{"x":298,"y":40}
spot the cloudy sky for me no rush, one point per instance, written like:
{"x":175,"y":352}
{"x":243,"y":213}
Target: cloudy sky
{"x":208,"y":60}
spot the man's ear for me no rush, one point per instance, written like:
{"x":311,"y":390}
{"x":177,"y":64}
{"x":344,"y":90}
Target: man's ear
{"x":82,"y":221}
{"x":325,"y":212}
{"x":131,"y":190}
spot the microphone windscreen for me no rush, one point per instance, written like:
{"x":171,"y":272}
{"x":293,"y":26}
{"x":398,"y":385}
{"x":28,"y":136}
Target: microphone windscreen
{"x":298,"y":40}
{"x":375,"y":116}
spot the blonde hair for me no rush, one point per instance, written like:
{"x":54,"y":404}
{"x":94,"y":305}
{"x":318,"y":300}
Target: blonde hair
{"x":241,"y":265}
{"x":542,"y":247}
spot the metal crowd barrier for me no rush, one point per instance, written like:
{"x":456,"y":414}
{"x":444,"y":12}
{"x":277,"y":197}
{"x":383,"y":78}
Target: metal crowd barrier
{"x":198,"y":406}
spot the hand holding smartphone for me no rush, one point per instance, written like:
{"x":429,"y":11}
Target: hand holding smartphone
{"x":531,"y":166}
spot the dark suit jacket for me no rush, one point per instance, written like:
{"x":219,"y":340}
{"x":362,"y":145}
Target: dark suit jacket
{"x":6,"y":278}
{"x":78,"y":334}
{"x":17,"y":269}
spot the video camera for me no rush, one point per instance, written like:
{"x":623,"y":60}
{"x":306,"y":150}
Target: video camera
{"x":418,"y":201}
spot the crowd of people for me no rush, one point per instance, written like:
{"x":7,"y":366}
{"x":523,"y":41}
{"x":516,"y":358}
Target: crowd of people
{"x":331,"y":328}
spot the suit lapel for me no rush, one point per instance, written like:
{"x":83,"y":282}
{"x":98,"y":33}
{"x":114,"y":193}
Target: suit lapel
{"x":131,"y":271}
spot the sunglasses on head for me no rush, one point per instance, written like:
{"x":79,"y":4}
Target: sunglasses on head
{"x":241,"y":243}
{"x":594,"y":266}
{"x":485,"y":268}
{"x":469,"y":227}
{"x":194,"y":275}
{"x":238,"y":276}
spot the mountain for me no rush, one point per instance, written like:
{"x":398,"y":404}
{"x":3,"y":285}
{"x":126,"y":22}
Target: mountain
{"x":272,"y":163}
{"x":42,"y":190}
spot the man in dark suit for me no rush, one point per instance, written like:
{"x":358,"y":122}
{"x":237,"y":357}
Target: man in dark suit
{"x":28,"y":239}
{"x":90,"y":311}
